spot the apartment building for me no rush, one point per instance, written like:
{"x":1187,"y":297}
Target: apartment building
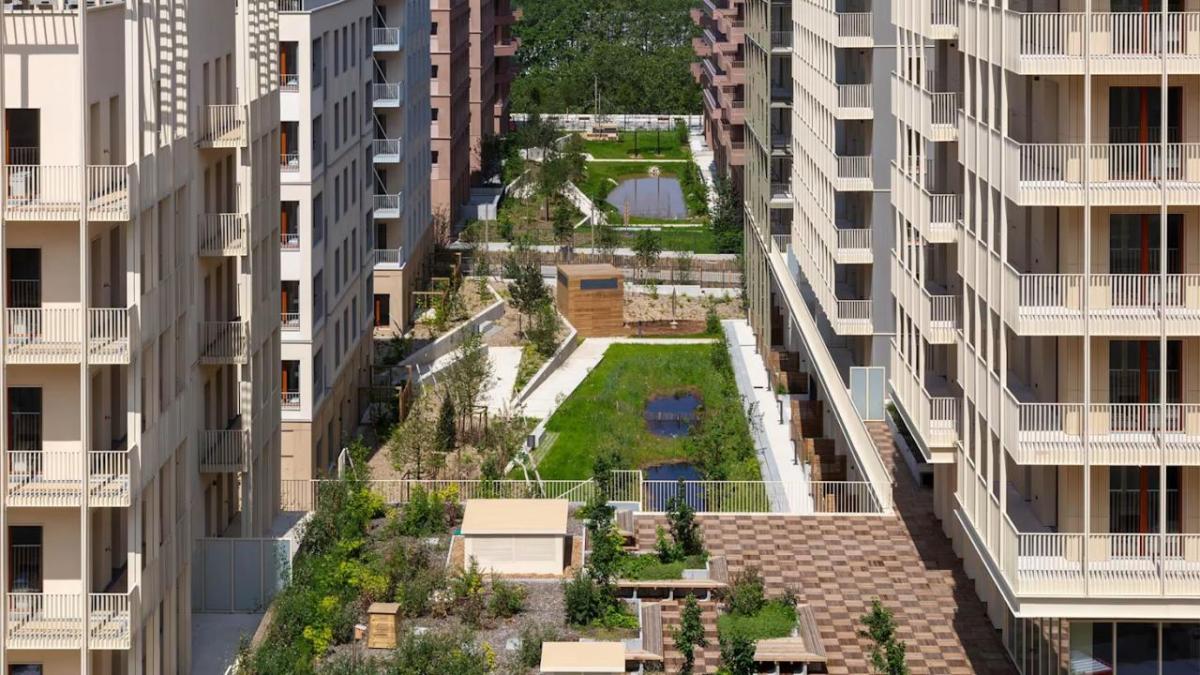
{"x":327,"y":185}
{"x":492,"y":69}
{"x":1047,"y":352}
{"x":721,"y":73}
{"x":505,"y":52}
{"x":139,"y":332}
{"x":401,"y":156}
{"x":450,"y":109}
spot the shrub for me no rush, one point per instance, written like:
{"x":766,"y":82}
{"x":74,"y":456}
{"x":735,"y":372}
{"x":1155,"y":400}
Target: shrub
{"x":427,"y":513}
{"x":737,"y":654}
{"x":543,"y":329}
{"x":585,"y":599}
{"x":529,"y":652}
{"x":745,"y":595}
{"x":446,"y":429}
{"x":467,"y":590}
{"x":684,"y":529}
{"x":439,"y":653}
{"x":666,"y":550}
{"x":887,"y":653}
{"x":689,"y":634}
{"x":508,"y":599}
{"x":712,"y":322}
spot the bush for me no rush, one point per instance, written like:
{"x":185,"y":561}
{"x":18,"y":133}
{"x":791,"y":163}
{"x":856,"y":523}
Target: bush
{"x":712,"y":322}
{"x":507,"y":599}
{"x":439,"y":653}
{"x":648,"y":567}
{"x":776,"y":619}
{"x":684,"y":529}
{"x":427,"y":513}
{"x":529,"y":652}
{"x":689,"y":634}
{"x":585,"y":599}
{"x":467,"y":589}
{"x":745,"y":595}
{"x":737,"y":655}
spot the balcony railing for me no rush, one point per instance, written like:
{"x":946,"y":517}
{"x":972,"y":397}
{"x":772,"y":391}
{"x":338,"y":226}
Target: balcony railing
{"x":289,"y":241}
{"x":290,"y":400}
{"x":40,"y":621}
{"x":854,"y":24}
{"x":935,"y":417}
{"x":781,"y":39}
{"x":289,"y":162}
{"x":222,"y":126}
{"x":386,"y":206}
{"x":781,"y":192}
{"x":854,"y":95}
{"x":51,"y":478}
{"x":854,"y":238}
{"x":943,"y":13}
{"x":223,"y":342}
{"x":289,"y":321}
{"x":225,"y":451}
{"x":1106,"y":565}
{"x":386,"y":150}
{"x":1117,"y":303}
{"x":289,"y":82}
{"x":386,"y":39}
{"x":223,"y":234}
{"x":52,"y":192}
{"x":1053,"y":41}
{"x":854,"y":167}
{"x":52,"y":335}
{"x":386,"y":94}
{"x":388,"y":258}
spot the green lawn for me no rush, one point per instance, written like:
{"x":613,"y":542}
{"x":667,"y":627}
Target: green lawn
{"x":606,"y":411}
{"x":649,"y":145}
{"x":694,"y":239}
{"x":647,"y":567}
{"x":775,"y":619}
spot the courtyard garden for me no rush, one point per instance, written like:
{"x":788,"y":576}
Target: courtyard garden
{"x":650,"y":406}
{"x":657,"y":144}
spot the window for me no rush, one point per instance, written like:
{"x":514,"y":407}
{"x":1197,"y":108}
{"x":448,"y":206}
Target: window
{"x":318,"y":218}
{"x":318,"y":374}
{"x":433,"y":28}
{"x":433,"y":114}
{"x":337,"y":54}
{"x":318,"y":61}
{"x":383,"y":310}
{"x":434,"y":158}
{"x":337,"y":124}
{"x":289,"y":226}
{"x":318,"y":300}
{"x":318,"y":139}
{"x":25,"y":559}
{"x":337,"y":271}
{"x":290,"y":383}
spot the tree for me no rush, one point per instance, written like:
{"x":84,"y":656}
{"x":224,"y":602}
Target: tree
{"x":737,"y":654}
{"x":726,"y":217}
{"x":470,"y":375}
{"x":413,"y":441}
{"x":887,"y":654}
{"x":528,"y":291}
{"x":647,"y":247}
{"x":564,"y":229}
{"x":684,"y":528}
{"x":446,"y":429}
{"x":689,"y":634}
{"x":607,"y":239}
{"x":543,"y":329}
{"x":683,"y":268}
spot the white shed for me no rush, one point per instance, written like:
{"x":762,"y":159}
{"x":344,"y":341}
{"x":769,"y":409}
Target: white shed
{"x":583,"y":657}
{"x":516,"y":536}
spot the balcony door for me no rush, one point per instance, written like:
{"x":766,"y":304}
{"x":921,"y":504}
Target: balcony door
{"x":24,"y":559}
{"x":24,"y":429}
{"x":1135,"y":243}
{"x":24,"y":278}
{"x":1134,"y":129}
{"x":1133,"y":501}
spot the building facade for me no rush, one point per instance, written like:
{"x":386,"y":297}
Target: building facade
{"x":450,"y":84}
{"x":327,"y":185}
{"x":1048,"y":352}
{"x":492,"y":70}
{"x":401,"y":154}
{"x":721,"y":73}
{"x":140,"y":337}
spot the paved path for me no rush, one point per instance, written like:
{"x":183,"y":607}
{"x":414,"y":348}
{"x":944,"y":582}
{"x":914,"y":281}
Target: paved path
{"x":543,"y":401}
{"x":702,"y":155}
{"x":838,"y":564}
{"x":772,"y":435}
{"x":505,"y":361}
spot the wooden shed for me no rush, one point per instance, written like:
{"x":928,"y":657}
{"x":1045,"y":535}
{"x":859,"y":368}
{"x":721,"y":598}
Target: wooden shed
{"x":583,"y":657}
{"x":516,"y":536}
{"x":592,"y":297}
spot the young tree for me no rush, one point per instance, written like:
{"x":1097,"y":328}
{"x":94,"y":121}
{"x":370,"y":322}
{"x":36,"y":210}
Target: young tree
{"x":887,"y":653}
{"x":564,"y":229}
{"x":607,"y":239}
{"x":684,"y":528}
{"x":726,"y":217}
{"x":647,"y":247}
{"x":446,"y":429}
{"x":689,"y":634}
{"x":527,"y":291}
{"x":737,"y":654}
{"x":412,"y":442}
{"x":470,"y":375}
{"x":543,"y":328}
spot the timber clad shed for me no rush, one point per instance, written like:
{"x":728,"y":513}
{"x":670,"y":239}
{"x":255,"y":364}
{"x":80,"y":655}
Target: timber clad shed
{"x":516,"y":536}
{"x":583,"y":657}
{"x":592,"y":297}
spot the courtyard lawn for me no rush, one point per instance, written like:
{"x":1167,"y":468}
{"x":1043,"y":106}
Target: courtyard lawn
{"x":603,"y":177}
{"x":606,"y":412}
{"x":650,"y":145}
{"x":694,"y":239}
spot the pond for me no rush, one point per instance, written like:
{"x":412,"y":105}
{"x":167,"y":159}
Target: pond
{"x":650,"y":197}
{"x":671,"y":416}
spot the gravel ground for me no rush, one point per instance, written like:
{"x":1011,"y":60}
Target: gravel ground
{"x":645,"y":307}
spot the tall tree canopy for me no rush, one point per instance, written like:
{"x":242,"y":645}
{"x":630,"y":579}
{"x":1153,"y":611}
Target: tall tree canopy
{"x":638,"y":50}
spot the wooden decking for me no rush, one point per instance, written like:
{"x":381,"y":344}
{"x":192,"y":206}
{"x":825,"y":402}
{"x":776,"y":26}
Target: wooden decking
{"x":804,"y":647}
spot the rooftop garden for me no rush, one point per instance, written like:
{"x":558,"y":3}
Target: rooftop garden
{"x":657,"y":144}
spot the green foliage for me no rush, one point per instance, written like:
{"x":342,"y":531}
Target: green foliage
{"x":695,"y":192}
{"x":564,"y":229}
{"x":712,"y":321}
{"x":681,"y":132}
{"x":685,"y":531}
{"x":887,"y":653}
{"x":689,"y":634}
{"x":607,"y":239}
{"x":507,"y":599}
{"x":607,"y":547}
{"x":426,"y":513}
{"x":726,"y":218}
{"x":446,"y":428}
{"x":746,"y":594}
{"x":544,"y":328}
{"x":639,"y":51}
{"x":531,"y":362}
{"x":432,"y":653}
{"x":532,"y":635}
{"x":648,"y":567}
{"x":776,"y":618}
{"x":647,"y":247}
{"x":737,"y":654}
{"x":466,"y":587}
{"x":470,"y":375}
{"x":585,"y":599}
{"x":527,"y":289}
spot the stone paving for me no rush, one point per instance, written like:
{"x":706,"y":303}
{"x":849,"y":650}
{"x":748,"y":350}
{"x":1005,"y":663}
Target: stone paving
{"x":838,"y":564}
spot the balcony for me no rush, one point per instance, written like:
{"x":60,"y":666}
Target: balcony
{"x":933,"y":114}
{"x":51,"y":478}
{"x":388,"y":258}
{"x":854,"y":30}
{"x":222,"y":126}
{"x":225,"y":450}
{"x":224,"y":235}
{"x":386,"y":151}
{"x":701,"y":46}
{"x":1117,"y":304}
{"x":289,"y":241}
{"x":289,"y":162}
{"x":51,"y":192}
{"x":711,"y":107}
{"x":854,"y":102}
{"x":290,"y":400}
{"x":1118,"y":43}
{"x":934,"y":419}
{"x":854,"y":173}
{"x":44,"y":621}
{"x":935,"y":314}
{"x":224,"y":342}
{"x":781,"y":41}
{"x":386,"y":40}
{"x":935,"y":216}
{"x":853,"y":317}
{"x":854,"y":246}
{"x":48,"y":335}
{"x":935,"y":19}
{"x":387,"y":206}
{"x":387,"y":94}
{"x":1118,"y":433}
{"x":1052,"y":174}
{"x":289,"y":322}
{"x":289,"y":82}
{"x":508,"y":48}
{"x":781,"y":195}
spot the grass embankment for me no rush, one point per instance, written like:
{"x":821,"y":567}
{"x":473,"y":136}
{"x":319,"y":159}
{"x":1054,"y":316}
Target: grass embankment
{"x":644,"y":145}
{"x":606,"y":414}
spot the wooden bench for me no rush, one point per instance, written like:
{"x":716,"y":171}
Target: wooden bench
{"x":670,"y":588}
{"x":803,"y":647}
{"x":626,"y":528}
{"x":652,"y":628}
{"x":718,"y":569}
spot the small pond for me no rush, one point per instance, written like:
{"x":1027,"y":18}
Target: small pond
{"x":671,"y":416}
{"x":650,"y":197}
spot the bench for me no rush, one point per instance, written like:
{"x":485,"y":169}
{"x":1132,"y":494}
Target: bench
{"x":804,"y":646}
{"x":669,"y":588}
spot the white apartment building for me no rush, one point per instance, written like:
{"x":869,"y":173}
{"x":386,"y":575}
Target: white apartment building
{"x":139,"y":333}
{"x":1047,"y":352}
{"x":326,"y":187}
{"x":401,"y":158}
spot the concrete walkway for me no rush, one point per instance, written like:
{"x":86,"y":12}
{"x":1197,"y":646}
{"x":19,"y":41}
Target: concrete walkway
{"x":505,"y":361}
{"x":543,"y":401}
{"x":703,"y":157}
{"x":770,"y":426}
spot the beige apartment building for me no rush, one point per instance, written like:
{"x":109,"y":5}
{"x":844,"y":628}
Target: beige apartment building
{"x":140,"y":339}
{"x":327,"y":184}
{"x":492,"y":70}
{"x":450,"y":112}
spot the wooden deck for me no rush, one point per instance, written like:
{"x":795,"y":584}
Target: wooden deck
{"x":804,"y":647}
